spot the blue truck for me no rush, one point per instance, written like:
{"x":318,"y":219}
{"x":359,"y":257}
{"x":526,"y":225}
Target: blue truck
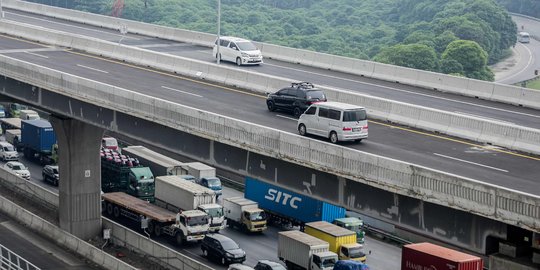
{"x":38,"y":141}
{"x":285,"y":207}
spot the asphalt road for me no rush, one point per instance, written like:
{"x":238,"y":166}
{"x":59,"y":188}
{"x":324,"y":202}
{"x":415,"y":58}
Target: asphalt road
{"x":413,"y":95}
{"x":257,"y":246}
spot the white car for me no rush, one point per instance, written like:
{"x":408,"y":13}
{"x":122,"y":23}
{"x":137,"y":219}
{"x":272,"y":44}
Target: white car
{"x":238,"y":50}
{"x":18,"y":168}
{"x":8,"y":152}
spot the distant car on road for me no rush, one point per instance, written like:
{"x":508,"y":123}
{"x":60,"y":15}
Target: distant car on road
{"x":8,"y":152}
{"x":238,"y":50}
{"x":18,"y":168}
{"x":223,"y":248}
{"x":295,"y":98}
{"x":50,"y":174}
{"x":269,"y":265}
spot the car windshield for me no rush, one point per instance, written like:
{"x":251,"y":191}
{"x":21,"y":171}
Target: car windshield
{"x":278,"y":267}
{"x":229,"y":244}
{"x":353,"y":116}
{"x":195,"y":221}
{"x":315,"y":94}
{"x":19,"y":167}
{"x":356,"y":253}
{"x":259,"y":216}
{"x":246,"y":46}
{"x":213,"y":182}
{"x":215,"y":212}
{"x":8,"y":148}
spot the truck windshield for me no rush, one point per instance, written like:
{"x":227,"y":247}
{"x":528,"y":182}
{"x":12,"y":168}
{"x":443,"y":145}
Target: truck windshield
{"x":354,"y":228}
{"x":356,"y":253}
{"x":214,"y":182}
{"x":214,"y":212}
{"x":195,"y":221}
{"x":259,"y":216}
{"x":329,"y":262}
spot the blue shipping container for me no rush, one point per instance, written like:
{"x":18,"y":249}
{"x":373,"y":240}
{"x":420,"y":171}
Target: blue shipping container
{"x":290,"y":204}
{"x":38,"y":135}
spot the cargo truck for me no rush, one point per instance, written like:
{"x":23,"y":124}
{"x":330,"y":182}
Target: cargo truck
{"x":289,"y":208}
{"x":303,"y":251}
{"x":176,"y":194}
{"x":341,"y":241}
{"x":187,"y":226}
{"x":38,"y":141}
{"x":29,"y":115}
{"x":431,"y":256}
{"x":10,"y":123}
{"x":13,"y":136}
{"x":159,"y":164}
{"x":205,"y":175}
{"x":244,"y":213}
{"x":121,"y":173}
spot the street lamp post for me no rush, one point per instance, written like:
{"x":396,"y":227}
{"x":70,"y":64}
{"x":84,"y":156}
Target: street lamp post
{"x":218,"y":55}
{"x":1,"y":10}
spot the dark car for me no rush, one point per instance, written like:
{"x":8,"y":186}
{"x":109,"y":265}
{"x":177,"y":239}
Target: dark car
{"x":50,"y":174}
{"x":295,"y":98}
{"x":222,"y":248}
{"x":350,"y":265}
{"x":269,"y":265}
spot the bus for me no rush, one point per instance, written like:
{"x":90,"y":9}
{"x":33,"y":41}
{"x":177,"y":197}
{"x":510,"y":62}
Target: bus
{"x":523,"y":37}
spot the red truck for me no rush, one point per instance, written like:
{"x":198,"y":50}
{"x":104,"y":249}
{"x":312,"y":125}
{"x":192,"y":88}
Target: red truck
{"x":427,"y":256}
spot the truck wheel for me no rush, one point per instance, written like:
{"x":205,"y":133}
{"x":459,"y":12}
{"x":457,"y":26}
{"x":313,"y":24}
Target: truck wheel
{"x":116,"y":212}
{"x":157,"y":230}
{"x":179,"y":238}
{"x":109,"y":209}
{"x":205,"y":253}
{"x":245,"y":228}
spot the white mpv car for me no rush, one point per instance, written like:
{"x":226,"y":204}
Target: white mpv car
{"x":8,"y":152}
{"x":238,"y":50}
{"x":335,"y":121}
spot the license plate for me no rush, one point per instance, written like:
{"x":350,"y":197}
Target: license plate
{"x":357,"y":129}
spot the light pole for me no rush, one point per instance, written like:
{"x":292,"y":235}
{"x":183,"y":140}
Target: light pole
{"x":1,"y":10}
{"x":218,"y":55}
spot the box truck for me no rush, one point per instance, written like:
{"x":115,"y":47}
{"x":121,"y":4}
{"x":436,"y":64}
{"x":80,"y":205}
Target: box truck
{"x":29,"y":115}
{"x":205,"y":175}
{"x":38,"y":141}
{"x":13,"y":136}
{"x":300,"y":250}
{"x":175,"y":194}
{"x":431,"y":256}
{"x":341,"y":241}
{"x":244,"y":213}
{"x":159,"y":164}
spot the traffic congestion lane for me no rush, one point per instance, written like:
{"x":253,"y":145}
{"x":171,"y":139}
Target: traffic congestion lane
{"x":391,"y":90}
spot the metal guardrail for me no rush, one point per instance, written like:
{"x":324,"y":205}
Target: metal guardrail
{"x":12,"y":261}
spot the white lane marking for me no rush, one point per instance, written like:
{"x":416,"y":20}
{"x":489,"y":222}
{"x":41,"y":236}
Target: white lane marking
{"x":35,"y":54}
{"x":91,"y":68}
{"x":484,"y":117}
{"x":470,"y":162}
{"x":531,"y":57}
{"x":74,"y":26}
{"x":184,"y":92}
{"x":286,"y":117}
{"x":404,"y":91}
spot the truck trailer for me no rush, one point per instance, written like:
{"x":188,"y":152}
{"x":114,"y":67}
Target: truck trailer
{"x":431,"y":256}
{"x":187,"y":226}
{"x":287,"y":207}
{"x":13,"y":136}
{"x":244,"y":213}
{"x":177,"y":194}
{"x":38,"y":141}
{"x":10,"y":123}
{"x":341,"y":241}
{"x":159,"y":164}
{"x":303,"y":251}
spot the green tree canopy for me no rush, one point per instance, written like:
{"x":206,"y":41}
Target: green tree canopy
{"x":416,"y":55}
{"x":471,"y":57}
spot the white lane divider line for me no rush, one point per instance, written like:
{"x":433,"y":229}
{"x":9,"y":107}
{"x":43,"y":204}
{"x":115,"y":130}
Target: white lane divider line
{"x":286,"y":117}
{"x":94,"y":69}
{"x":35,"y":54}
{"x":470,"y":162}
{"x":184,"y":92}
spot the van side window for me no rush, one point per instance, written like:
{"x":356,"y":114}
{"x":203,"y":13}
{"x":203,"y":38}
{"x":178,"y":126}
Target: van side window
{"x":334,"y":114}
{"x":224,"y":43}
{"x":323,"y":112}
{"x":311,"y":110}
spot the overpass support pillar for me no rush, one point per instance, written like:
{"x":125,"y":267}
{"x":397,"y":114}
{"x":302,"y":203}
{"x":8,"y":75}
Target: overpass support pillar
{"x":80,"y":176}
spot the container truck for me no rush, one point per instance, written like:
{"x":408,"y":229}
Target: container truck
{"x":123,"y":173}
{"x":303,"y":251}
{"x":287,"y":207}
{"x":244,"y":213}
{"x":38,"y":141}
{"x":13,"y":136}
{"x":431,"y":256}
{"x":159,"y":164}
{"x":354,"y":224}
{"x":176,"y":194}
{"x":10,"y":123}
{"x":185,"y":226}
{"x":205,"y":175}
{"x":29,"y":115}
{"x":341,"y":240}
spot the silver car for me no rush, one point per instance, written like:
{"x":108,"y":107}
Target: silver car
{"x":18,"y":168}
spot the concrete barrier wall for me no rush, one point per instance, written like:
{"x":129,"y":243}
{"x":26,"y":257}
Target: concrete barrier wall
{"x":425,"y":79}
{"x":388,"y":174}
{"x":468,"y":127}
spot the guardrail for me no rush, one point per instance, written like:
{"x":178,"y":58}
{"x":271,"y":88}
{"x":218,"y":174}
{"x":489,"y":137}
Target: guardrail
{"x":441,"y":82}
{"x":10,"y":260}
{"x":408,"y":179}
{"x":476,"y":129}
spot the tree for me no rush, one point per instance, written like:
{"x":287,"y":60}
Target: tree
{"x":417,"y":56}
{"x":470,"y":56}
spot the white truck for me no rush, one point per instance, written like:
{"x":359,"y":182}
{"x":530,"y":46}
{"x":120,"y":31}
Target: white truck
{"x":300,"y":250}
{"x":244,"y":213}
{"x":205,"y":176}
{"x":159,"y":164}
{"x":176,"y":194}
{"x":29,"y":115}
{"x":13,"y":136}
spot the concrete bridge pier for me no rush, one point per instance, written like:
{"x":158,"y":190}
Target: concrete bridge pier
{"x":80,"y":176}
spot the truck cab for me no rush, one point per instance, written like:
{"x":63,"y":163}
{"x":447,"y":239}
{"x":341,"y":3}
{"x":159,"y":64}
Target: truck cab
{"x":2,"y":111}
{"x":323,"y":260}
{"x":245,"y":214}
{"x":254,"y":219}
{"x":15,"y":109}
{"x":141,"y":183}
{"x":354,"y":224}
{"x":212,"y":183}
{"x":352,"y":252}
{"x":191,"y":226}
{"x":216,"y":214}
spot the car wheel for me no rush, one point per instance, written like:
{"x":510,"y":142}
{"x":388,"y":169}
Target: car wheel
{"x":205,"y":252}
{"x":297,"y":112}
{"x":270,"y":105}
{"x":238,"y":61}
{"x":358,"y":141}
{"x":302,"y":129}
{"x":55,"y":182}
{"x":223,"y":261}
{"x":333,"y":137}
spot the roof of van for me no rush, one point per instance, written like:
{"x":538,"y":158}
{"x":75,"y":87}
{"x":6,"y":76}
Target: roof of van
{"x":235,"y":39}
{"x":338,"y":105}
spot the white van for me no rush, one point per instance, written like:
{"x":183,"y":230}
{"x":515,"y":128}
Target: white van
{"x":334,"y":120}
{"x":238,"y":50}
{"x":8,"y":152}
